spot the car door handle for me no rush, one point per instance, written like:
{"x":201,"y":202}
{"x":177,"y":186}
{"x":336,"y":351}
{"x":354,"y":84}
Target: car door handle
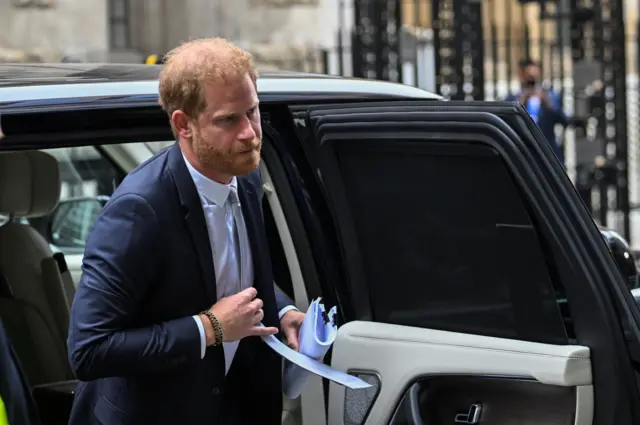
{"x":414,"y":405}
{"x":470,"y":418}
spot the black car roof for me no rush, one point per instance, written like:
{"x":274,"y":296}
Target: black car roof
{"x":66,"y":82}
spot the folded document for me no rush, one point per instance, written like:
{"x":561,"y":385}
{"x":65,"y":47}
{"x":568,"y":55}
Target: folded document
{"x":317,"y":333}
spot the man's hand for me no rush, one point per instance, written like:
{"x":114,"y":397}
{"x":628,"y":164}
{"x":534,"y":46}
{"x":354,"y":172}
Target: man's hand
{"x":239,"y":316}
{"x":290,"y":324}
{"x":524,"y":95}
{"x":528,"y":93}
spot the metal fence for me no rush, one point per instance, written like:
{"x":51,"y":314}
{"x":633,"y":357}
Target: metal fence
{"x":470,"y":49}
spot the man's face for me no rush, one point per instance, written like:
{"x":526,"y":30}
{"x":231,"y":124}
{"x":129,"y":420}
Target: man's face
{"x":530,"y":75}
{"x":227,"y":135}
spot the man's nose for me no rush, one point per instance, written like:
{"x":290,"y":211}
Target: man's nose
{"x":247,"y":132}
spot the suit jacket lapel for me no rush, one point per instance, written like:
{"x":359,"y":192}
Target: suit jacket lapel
{"x":249,"y":197}
{"x":194,"y":216}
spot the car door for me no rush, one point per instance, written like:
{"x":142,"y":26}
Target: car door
{"x":478,"y":287}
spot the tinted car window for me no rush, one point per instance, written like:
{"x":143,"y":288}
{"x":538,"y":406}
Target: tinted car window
{"x":447,"y":241}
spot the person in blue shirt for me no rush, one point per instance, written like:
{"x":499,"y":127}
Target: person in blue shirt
{"x":543,"y":105}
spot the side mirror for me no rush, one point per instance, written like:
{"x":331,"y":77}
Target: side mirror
{"x":71,"y":221}
{"x":623,"y":255}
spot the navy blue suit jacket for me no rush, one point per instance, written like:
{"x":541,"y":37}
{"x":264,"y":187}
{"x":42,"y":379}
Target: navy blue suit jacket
{"x":147,"y":269}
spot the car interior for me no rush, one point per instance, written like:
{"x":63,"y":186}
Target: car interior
{"x":37,"y":289}
{"x":34,"y":300}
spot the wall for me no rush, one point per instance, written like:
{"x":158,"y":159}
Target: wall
{"x":54,"y":28}
{"x":278,"y":32}
{"x":281,"y":33}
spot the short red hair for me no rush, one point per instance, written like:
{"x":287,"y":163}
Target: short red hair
{"x":192,"y":64}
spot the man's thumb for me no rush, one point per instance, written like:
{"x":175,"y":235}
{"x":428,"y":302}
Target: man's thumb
{"x":292,"y":338}
{"x":250,"y":293}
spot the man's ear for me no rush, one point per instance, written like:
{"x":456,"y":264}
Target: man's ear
{"x":180,"y":123}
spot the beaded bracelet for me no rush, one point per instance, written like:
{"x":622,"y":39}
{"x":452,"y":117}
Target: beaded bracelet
{"x":217,"y":329}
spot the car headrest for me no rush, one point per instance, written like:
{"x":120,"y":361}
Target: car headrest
{"x":29,"y":183}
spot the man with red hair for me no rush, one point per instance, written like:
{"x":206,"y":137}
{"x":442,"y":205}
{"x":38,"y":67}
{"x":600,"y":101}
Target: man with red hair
{"x":177,"y":281}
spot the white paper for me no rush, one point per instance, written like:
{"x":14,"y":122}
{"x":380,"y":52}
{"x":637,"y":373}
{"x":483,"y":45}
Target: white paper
{"x":317,"y":333}
{"x":311,"y":365}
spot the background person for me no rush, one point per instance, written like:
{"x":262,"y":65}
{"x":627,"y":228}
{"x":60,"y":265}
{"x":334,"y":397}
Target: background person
{"x":543,"y":105}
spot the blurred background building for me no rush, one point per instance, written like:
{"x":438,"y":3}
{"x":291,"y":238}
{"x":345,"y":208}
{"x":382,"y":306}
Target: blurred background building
{"x":281,"y":33}
{"x":461,"y":49}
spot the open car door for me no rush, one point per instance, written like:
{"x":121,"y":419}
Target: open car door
{"x":480,"y":289}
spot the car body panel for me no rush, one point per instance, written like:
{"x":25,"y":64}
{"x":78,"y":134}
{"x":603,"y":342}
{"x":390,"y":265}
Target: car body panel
{"x":74,"y":84}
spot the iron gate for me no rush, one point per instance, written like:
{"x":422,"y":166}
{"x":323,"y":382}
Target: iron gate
{"x":469,"y":50}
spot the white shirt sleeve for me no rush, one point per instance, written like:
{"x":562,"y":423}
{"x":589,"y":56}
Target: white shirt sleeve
{"x":203,"y":338}
{"x":286,"y":309}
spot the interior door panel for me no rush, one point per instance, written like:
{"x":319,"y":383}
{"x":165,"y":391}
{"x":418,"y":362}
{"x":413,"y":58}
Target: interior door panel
{"x":442,"y":375}
{"x":487,"y":400}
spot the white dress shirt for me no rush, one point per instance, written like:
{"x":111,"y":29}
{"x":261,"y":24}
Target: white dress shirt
{"x":233,"y":274}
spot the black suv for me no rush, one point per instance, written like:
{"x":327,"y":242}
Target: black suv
{"x":472,"y":284}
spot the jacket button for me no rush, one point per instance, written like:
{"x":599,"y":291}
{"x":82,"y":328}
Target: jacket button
{"x":215,"y":391}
